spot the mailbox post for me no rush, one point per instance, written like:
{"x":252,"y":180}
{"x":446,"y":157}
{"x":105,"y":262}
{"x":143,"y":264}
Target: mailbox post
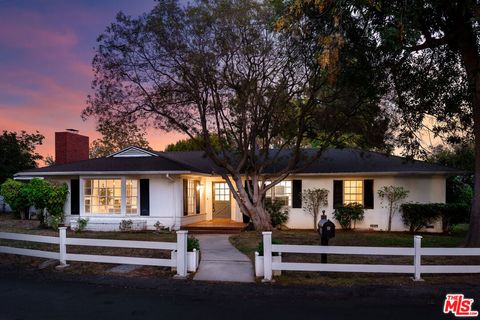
{"x":326,"y":229}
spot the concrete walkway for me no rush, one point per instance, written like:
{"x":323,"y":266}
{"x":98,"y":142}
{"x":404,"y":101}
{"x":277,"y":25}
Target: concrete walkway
{"x":220,"y":261}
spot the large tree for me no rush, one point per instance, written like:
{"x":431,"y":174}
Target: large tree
{"x":117,"y":136}
{"x":430,"y":50}
{"x":219,"y":69}
{"x":192,"y":144}
{"x":17,"y":152}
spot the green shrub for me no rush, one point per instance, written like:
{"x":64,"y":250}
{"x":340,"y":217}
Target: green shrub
{"x":419,"y":215}
{"x":38,"y":194}
{"x":349,"y":213}
{"x":81,"y":224}
{"x":453,"y":214}
{"x":260,"y":247}
{"x":54,"y":221}
{"x":15,"y":195}
{"x":42,"y":194}
{"x":125,"y":225}
{"x":277,"y":211}
{"x":192,"y":243}
{"x":458,"y":191}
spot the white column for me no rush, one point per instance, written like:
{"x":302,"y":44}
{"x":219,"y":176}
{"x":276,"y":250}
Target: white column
{"x":417,"y":243}
{"x":267,"y":256}
{"x":182,"y":253}
{"x":63,"y":245}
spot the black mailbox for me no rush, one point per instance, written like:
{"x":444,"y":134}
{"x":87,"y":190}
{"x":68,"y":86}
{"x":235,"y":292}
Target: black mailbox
{"x":326,"y":229}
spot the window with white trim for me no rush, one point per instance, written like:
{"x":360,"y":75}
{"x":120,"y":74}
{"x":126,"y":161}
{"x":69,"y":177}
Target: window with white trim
{"x":353,"y":191}
{"x":103,"y":196}
{"x":115,"y":196}
{"x":131,"y":196}
{"x":280,"y":192}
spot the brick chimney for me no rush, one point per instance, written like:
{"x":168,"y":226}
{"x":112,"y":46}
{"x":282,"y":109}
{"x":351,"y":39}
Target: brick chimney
{"x":70,"y":147}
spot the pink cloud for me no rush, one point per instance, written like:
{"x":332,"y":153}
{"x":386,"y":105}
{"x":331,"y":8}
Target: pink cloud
{"x":46,"y":78}
{"x":26,"y":30}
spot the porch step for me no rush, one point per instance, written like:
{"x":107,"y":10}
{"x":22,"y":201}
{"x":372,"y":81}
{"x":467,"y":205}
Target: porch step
{"x":212,"y":229}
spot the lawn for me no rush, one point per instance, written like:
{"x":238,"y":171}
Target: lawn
{"x":8,"y":224}
{"x":247,"y":242}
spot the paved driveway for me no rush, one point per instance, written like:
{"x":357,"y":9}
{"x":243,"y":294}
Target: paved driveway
{"x":220,"y":261}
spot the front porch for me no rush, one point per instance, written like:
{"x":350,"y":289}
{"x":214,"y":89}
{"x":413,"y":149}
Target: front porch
{"x":219,"y":225}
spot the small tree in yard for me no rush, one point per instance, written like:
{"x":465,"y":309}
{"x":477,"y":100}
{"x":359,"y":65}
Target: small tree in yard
{"x":313,"y":200}
{"x":14,"y":194}
{"x":47,"y":197}
{"x":393,"y":195}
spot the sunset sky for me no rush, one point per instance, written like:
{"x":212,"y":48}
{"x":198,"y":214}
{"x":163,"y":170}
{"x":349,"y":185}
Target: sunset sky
{"x":46,"y":49}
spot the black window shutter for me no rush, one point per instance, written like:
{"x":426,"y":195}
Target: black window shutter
{"x":337,"y":193}
{"x":368,"y":194}
{"x":144,"y":197}
{"x":197,"y":197}
{"x":75,"y":197}
{"x":185,"y":197}
{"x":296,"y":193}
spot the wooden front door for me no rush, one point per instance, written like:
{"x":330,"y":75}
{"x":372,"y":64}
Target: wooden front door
{"x":221,"y":201}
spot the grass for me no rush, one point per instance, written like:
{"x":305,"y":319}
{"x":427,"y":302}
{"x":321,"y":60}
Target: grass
{"x":247,"y":242}
{"x":8,"y":224}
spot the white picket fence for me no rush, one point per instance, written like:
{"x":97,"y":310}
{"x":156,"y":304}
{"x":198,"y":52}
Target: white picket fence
{"x":179,"y":260}
{"x":416,"y":252}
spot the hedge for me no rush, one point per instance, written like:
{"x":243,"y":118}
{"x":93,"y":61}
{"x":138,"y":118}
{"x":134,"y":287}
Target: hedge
{"x":419,"y":215}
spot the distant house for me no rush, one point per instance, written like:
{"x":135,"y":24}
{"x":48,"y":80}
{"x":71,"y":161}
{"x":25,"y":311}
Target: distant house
{"x":181,"y":188}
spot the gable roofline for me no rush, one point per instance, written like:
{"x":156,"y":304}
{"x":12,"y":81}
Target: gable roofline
{"x":135,"y":148}
{"x":332,"y":162}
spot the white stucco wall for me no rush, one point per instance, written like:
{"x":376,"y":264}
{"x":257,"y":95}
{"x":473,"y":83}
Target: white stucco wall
{"x":423,"y":189}
{"x":166,"y":207}
{"x":166,"y":202}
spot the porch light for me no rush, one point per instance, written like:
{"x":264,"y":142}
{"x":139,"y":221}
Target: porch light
{"x":199,"y":186}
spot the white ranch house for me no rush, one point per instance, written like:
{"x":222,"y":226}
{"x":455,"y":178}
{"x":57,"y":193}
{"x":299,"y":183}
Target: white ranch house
{"x":178,"y":189}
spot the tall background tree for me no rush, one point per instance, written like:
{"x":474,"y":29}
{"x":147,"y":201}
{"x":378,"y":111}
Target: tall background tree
{"x":192,"y":144}
{"x":219,"y":69}
{"x":429,"y":52}
{"x":17,"y":152}
{"x":117,"y":136}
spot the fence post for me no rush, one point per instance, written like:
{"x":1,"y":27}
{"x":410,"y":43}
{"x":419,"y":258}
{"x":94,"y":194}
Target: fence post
{"x":267,"y":256}
{"x":63,"y":245}
{"x":181,"y":253}
{"x":417,"y":243}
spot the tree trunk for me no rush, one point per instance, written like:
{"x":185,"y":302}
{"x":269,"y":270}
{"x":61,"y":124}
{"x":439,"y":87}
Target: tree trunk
{"x":260,"y":218}
{"x":467,"y":44}
{"x":390,"y":211}
{"x":252,"y":206}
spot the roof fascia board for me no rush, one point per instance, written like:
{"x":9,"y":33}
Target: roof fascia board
{"x":377,"y":173}
{"x":116,"y":154}
{"x":26,"y":174}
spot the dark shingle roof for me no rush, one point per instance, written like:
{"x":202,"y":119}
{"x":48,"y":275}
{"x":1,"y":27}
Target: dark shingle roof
{"x":331,"y":161}
{"x":115,"y":164}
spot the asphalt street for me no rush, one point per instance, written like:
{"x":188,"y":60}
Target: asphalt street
{"x":31,"y":294}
